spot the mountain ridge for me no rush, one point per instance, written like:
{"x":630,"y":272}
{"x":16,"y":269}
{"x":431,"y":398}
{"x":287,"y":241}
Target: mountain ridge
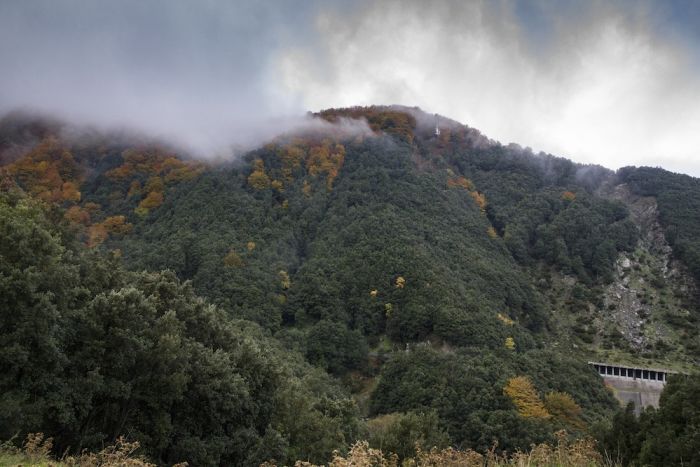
{"x":427,"y":274}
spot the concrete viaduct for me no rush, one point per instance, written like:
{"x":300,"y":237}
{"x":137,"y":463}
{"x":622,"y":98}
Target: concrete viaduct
{"x":641,"y":386}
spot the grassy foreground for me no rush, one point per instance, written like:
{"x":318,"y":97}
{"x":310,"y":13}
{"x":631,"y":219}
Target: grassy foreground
{"x":35,"y":452}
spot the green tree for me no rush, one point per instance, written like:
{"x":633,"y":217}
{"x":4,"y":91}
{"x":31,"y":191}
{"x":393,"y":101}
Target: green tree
{"x":672,"y":437}
{"x":399,"y":433}
{"x":336,"y":348}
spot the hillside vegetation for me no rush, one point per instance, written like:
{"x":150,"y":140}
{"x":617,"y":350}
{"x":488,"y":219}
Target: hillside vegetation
{"x":329,"y":287}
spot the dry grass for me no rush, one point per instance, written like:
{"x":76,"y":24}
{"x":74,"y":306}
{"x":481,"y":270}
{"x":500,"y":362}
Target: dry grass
{"x":579,"y":453}
{"x":36,"y":452}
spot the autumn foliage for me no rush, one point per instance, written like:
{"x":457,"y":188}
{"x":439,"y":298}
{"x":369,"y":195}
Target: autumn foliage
{"x":291,"y":156}
{"x":460,"y":181}
{"x":99,"y":232}
{"x":564,"y":409}
{"x":51,"y":172}
{"x":154,"y":162}
{"x":77,"y":215}
{"x":152,"y":200}
{"x":568,"y":196}
{"x":258,"y":179}
{"x":524,"y":396}
{"x":466,"y":184}
{"x":48,"y":172}
{"x":391,"y":121}
{"x":158,"y":168}
{"x":479,"y":199}
{"x":233,"y":259}
{"x":298,"y":157}
{"x":505,"y":319}
{"x":326,"y":158}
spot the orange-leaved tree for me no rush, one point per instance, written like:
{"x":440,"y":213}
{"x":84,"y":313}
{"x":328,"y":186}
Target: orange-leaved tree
{"x":568,"y":196}
{"x":564,"y":409}
{"x":460,"y":182}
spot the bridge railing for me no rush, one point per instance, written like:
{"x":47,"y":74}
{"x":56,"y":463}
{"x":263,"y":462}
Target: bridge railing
{"x":620,"y":371}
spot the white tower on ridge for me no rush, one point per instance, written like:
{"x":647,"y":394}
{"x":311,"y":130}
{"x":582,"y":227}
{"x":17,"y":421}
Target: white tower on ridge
{"x":437,"y":128}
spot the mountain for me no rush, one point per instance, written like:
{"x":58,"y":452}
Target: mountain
{"x":356,"y":281}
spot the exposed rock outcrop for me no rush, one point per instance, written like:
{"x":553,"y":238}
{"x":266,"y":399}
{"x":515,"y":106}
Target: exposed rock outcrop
{"x":647,"y":282}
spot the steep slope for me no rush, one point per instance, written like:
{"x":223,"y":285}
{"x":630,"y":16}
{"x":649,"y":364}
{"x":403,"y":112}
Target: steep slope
{"x":645,"y":313}
{"x":382,"y":256}
{"x":432,"y":272}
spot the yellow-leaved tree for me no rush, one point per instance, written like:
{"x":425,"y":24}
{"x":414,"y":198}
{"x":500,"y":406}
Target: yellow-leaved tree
{"x":291,"y":157}
{"x":233,"y":260}
{"x":277,"y":185}
{"x":524,"y":396}
{"x":152,"y":200}
{"x":285,"y":280}
{"x":480,"y":200}
{"x":388,"y":309}
{"x":258,"y":179}
{"x":504,"y":319}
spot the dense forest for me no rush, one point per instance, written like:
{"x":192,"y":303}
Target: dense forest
{"x":393,"y":285}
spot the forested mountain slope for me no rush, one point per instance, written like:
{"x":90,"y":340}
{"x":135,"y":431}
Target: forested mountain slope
{"x":449,"y":282}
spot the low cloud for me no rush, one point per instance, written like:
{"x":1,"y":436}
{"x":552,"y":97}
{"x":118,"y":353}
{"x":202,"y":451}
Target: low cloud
{"x":194,"y":73}
{"x":598,"y":82}
{"x":607,"y":83}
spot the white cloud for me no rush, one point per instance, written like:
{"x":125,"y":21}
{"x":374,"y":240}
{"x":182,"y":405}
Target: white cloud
{"x":590,"y":80}
{"x":602,"y":89}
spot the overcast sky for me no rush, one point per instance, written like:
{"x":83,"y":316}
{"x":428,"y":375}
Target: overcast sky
{"x":613,"y":83}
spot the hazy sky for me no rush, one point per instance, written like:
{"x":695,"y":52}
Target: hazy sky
{"x":614,"y":83}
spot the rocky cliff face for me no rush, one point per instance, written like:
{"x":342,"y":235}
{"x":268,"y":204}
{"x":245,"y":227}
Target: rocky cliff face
{"x":645,"y":298}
